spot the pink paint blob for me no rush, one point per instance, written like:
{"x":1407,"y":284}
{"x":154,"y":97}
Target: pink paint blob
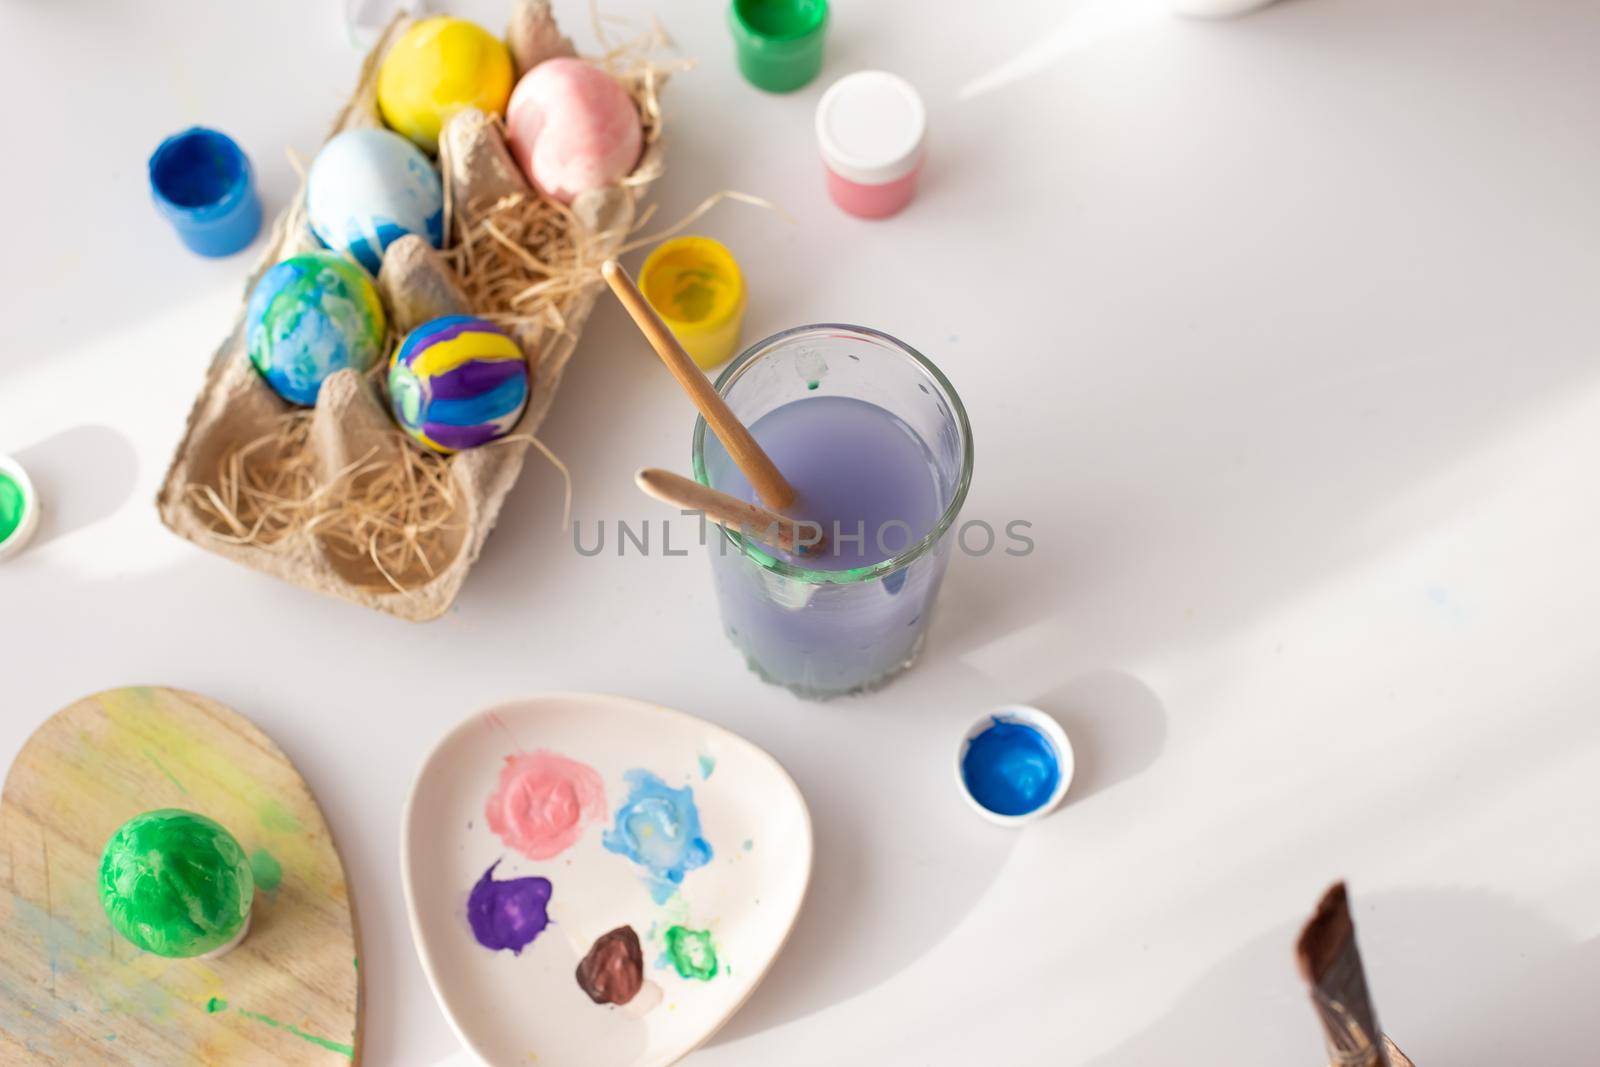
{"x":543,"y":803}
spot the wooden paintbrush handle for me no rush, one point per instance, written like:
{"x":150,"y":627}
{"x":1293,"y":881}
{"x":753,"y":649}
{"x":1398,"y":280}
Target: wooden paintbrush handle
{"x":764,"y":525}
{"x":1396,"y":1057}
{"x":764,"y":476}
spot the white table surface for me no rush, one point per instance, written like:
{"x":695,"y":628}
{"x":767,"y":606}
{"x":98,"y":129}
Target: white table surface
{"x":1281,"y":332}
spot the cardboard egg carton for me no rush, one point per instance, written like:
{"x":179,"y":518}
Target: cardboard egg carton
{"x":351,"y":420}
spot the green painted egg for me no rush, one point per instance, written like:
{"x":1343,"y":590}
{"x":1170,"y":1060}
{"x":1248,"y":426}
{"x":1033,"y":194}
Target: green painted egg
{"x":175,"y":883}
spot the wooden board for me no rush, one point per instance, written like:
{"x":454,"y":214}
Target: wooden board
{"x":73,"y":992}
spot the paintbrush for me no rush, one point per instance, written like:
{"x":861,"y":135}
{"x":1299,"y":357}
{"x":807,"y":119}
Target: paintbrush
{"x":1330,"y":963}
{"x":769,"y":483}
{"x":731,"y":512}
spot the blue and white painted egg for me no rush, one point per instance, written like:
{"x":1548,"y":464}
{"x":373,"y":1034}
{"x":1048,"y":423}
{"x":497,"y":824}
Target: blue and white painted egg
{"x":367,"y":189}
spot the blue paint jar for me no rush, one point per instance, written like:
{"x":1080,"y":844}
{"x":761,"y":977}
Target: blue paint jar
{"x":1014,"y":765}
{"x":202,"y":182}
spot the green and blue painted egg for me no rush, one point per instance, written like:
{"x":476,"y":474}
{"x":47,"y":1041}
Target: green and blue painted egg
{"x":458,"y":382}
{"x":367,"y":189}
{"x":309,"y":316}
{"x":176,"y":883}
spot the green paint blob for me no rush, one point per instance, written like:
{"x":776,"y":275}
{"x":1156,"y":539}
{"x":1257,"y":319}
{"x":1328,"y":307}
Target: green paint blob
{"x":349,"y":1051}
{"x":812,"y":384}
{"x":707,"y":765}
{"x":697,"y":294}
{"x":175,"y":883}
{"x":216,"y":1004}
{"x":692,"y":953}
{"x":266,"y":869}
{"x":12,"y":505}
{"x":151,"y":756}
{"x":274,"y":816}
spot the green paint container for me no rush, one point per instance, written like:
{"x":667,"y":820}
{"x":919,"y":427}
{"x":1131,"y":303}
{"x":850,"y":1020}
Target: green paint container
{"x":779,"y":42}
{"x":19,"y":507}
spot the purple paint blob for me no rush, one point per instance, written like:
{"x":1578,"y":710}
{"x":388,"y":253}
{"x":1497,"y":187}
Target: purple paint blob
{"x":508,"y":914}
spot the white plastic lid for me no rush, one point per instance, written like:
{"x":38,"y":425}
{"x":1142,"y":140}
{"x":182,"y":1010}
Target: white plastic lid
{"x":870,"y":127}
{"x":30,"y":508}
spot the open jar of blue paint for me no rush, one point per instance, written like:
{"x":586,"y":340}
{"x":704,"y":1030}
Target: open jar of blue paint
{"x":202,"y":182}
{"x":1014,"y":765}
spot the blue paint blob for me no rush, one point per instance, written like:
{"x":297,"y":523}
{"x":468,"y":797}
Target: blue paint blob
{"x":1011,"y":768}
{"x":658,"y":827}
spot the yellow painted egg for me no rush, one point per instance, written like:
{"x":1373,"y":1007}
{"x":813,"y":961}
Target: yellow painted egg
{"x":436,"y":68}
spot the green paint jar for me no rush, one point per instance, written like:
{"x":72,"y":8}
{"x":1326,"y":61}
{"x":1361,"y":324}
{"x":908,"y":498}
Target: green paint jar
{"x":779,"y":42}
{"x":19,"y":507}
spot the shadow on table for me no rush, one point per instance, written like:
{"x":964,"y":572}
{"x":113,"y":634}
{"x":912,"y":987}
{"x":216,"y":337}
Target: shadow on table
{"x":1460,"y":978}
{"x":1290,"y":390}
{"x":875,"y":909}
{"x":82,"y":475}
{"x":878,"y":901}
{"x":1117,"y":726}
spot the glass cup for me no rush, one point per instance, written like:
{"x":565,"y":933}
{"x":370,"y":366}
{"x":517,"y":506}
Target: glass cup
{"x":821,"y":633}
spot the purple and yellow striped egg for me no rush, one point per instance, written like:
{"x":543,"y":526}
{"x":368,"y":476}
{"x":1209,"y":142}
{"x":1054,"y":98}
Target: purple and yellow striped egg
{"x":458,"y":382}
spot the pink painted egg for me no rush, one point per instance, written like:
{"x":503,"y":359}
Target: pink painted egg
{"x":572,"y":128}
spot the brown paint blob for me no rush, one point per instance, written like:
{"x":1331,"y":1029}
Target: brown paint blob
{"x":613,"y":970}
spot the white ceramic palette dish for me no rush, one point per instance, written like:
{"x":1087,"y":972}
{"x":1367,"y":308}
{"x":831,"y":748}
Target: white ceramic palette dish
{"x":709,"y":925}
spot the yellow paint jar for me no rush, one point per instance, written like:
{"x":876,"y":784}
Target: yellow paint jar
{"x":695,"y":285}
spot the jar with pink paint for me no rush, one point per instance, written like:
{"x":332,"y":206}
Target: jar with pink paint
{"x":870,"y":128}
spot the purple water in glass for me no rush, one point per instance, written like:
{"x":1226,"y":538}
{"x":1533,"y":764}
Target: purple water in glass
{"x":861,"y":473}
{"x":878,"y":449}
